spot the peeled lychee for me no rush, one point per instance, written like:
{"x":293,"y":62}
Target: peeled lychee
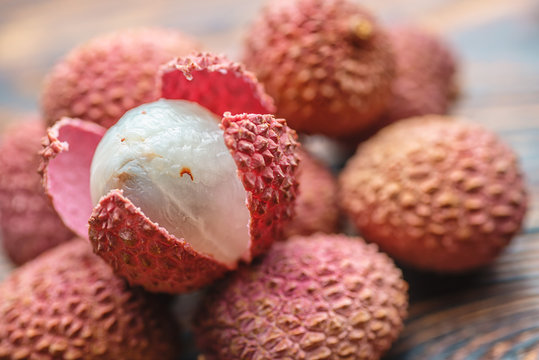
{"x":316,"y":204}
{"x":425,"y":81}
{"x":28,"y":223}
{"x":102,"y":79}
{"x":169,"y":159}
{"x":319,"y":297}
{"x":67,"y":304}
{"x":181,"y":195}
{"x":327,"y":64}
{"x":435,"y":193}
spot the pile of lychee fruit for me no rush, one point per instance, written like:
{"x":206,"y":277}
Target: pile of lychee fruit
{"x":166,"y":170}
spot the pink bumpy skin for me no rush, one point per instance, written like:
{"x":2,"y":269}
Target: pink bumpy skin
{"x":67,"y":304}
{"x":28,"y":223}
{"x":264,"y":151}
{"x":319,"y":297}
{"x":317,"y":207}
{"x":110,"y":74}
{"x":426,"y":80}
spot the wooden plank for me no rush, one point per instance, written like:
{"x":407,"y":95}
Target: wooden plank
{"x":493,"y":313}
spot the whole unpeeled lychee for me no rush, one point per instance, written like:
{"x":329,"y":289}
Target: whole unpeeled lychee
{"x":435,"y":193}
{"x":319,"y":297}
{"x":316,"y":204}
{"x":180,"y":195}
{"x":102,"y":79}
{"x":28,"y":223}
{"x":327,"y":64}
{"x":67,"y":304}
{"x":425,"y":81}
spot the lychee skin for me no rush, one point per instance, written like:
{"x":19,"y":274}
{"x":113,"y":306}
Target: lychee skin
{"x":319,"y":297}
{"x":67,"y":304}
{"x":426,"y":79}
{"x":435,"y":193}
{"x":144,"y":253}
{"x":316,"y":206}
{"x":327,"y":64}
{"x":264,"y":150}
{"x":216,"y":83}
{"x":102,"y":79}
{"x":28,"y":223}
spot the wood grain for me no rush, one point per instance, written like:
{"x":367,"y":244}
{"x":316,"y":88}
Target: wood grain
{"x":493,"y":313}
{"x":489,"y":314}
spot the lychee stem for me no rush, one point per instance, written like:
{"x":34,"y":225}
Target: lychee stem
{"x":361,"y":28}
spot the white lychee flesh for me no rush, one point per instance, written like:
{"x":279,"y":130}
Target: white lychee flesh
{"x":170,"y":159}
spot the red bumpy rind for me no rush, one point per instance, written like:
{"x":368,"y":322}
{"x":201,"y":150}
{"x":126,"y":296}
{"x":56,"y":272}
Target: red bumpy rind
{"x":216,"y":83}
{"x":264,"y":149}
{"x":327,"y":64}
{"x":66,"y":159}
{"x":145,"y":253}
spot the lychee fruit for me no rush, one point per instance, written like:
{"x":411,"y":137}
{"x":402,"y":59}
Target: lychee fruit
{"x":327,"y":63}
{"x":426,"y":78}
{"x":318,"y":297}
{"x":28,"y":223}
{"x":180,"y":196}
{"x":67,"y":304}
{"x":435,"y":193}
{"x":110,"y":74}
{"x":316,"y":207}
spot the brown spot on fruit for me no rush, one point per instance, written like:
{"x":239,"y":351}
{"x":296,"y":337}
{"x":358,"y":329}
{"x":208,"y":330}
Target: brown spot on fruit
{"x":186,"y":170}
{"x":123,"y":178}
{"x":361,"y":28}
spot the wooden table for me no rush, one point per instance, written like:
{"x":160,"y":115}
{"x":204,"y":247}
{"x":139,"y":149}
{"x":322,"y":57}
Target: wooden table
{"x":493,"y":313}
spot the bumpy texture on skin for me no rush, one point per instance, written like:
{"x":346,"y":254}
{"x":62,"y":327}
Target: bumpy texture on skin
{"x":327,"y":64}
{"x":102,"y":79}
{"x":435,"y":193}
{"x":145,"y":254}
{"x":320,"y":297}
{"x":264,"y":149}
{"x":426,"y":74}
{"x":316,"y":204}
{"x":28,"y":223}
{"x":67,"y":304}
{"x":216,"y":83}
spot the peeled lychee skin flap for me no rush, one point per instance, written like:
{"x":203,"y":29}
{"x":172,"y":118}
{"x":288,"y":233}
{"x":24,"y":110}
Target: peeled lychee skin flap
{"x":66,"y":158}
